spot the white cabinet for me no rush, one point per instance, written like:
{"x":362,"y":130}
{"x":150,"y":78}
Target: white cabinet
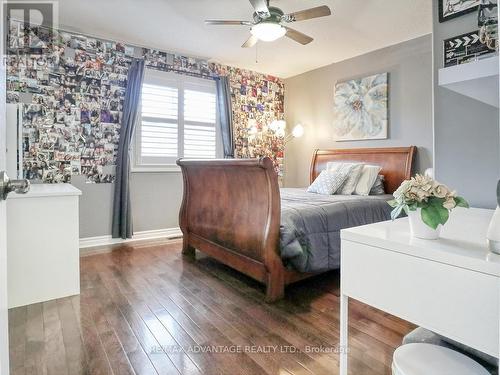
{"x":42,"y":244}
{"x":449,"y":286}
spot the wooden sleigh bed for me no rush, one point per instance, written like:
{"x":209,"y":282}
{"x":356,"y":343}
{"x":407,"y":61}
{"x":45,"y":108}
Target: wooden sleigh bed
{"x":231,"y":209}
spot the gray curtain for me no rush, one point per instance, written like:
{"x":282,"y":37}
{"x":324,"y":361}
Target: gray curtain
{"x":225,"y":115}
{"x":122,"y":214}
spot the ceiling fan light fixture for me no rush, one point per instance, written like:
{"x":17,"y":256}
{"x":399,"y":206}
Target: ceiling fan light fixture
{"x":268,"y":31}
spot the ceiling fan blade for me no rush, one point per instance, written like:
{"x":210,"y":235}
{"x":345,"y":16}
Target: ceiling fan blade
{"x":252,"y":41}
{"x":307,"y":14}
{"x":227,"y":22}
{"x":261,"y":8}
{"x":297,"y":36}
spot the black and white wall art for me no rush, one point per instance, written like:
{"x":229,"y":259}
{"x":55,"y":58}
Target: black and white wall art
{"x":449,"y":9}
{"x":464,"y":48}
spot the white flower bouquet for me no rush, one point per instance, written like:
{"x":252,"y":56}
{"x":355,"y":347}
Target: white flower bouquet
{"x":433,"y":198}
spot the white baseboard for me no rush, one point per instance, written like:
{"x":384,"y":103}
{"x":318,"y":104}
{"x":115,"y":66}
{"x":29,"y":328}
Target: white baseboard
{"x":99,"y":241}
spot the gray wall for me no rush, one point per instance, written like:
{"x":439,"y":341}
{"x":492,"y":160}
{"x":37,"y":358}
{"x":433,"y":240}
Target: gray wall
{"x":156,"y":198}
{"x":466,"y":130}
{"x":309,"y":101}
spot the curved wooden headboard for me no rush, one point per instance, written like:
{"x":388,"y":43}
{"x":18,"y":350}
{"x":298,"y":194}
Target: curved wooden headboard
{"x":396,"y":162}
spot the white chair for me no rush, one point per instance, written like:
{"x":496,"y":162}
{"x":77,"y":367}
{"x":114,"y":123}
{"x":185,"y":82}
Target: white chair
{"x":428,"y":359}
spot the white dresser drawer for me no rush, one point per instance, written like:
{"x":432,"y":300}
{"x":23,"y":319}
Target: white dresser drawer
{"x":425,"y":293}
{"x":43,"y":254}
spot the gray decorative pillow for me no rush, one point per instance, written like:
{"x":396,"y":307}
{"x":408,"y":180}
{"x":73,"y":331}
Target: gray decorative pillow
{"x":329,"y":181}
{"x":378,"y":188}
{"x":352,"y":179}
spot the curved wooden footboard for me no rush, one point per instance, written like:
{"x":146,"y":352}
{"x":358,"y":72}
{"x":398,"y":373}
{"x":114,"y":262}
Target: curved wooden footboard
{"x":231,"y":211}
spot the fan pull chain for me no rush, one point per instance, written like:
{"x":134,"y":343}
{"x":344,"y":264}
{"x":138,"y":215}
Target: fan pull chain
{"x":257,"y":53}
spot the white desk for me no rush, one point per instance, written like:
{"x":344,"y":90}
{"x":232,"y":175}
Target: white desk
{"x":43,"y":257}
{"x":449,"y":286}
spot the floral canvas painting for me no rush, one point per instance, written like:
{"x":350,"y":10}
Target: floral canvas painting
{"x":361,"y":108}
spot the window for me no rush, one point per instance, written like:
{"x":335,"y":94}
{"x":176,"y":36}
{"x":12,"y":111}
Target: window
{"x":159,"y":121}
{"x":178,"y":119}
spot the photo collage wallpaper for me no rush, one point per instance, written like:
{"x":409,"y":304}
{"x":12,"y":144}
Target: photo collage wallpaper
{"x":257,"y":101}
{"x":71,"y":89}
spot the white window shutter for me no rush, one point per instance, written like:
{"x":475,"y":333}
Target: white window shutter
{"x":159,"y":127}
{"x":199,"y":124}
{"x":178,"y":119}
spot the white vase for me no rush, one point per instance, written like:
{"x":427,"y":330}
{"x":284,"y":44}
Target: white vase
{"x":494,"y":229}
{"x":419,"y":229}
{"x":494,"y":232}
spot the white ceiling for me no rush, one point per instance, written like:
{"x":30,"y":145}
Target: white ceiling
{"x":355,"y":27}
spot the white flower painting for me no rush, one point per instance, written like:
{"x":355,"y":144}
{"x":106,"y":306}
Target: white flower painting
{"x":361,"y":108}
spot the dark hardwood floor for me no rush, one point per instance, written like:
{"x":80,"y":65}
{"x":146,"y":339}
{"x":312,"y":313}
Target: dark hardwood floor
{"x":145,"y":310}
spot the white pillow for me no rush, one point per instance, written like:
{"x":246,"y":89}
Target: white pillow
{"x":350,"y":183}
{"x":367,"y":179}
{"x":329,"y":181}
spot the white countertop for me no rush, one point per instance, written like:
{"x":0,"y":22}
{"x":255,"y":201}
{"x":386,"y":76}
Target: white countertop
{"x":462,"y":243}
{"x":47,"y":190}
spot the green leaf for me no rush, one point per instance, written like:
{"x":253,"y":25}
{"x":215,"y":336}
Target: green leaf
{"x":396,"y":212}
{"x":422,"y":204}
{"x":435,"y":214}
{"x":444,"y":214}
{"x":393,"y":203}
{"x":461,"y":202}
{"x":431,"y":216}
{"x":435,"y":201}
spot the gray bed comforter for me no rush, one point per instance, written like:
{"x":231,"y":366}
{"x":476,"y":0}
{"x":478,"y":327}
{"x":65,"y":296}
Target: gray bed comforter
{"x":311,"y":224}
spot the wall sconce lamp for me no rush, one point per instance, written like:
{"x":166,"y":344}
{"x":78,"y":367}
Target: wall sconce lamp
{"x":297,"y":132}
{"x":278,"y":127}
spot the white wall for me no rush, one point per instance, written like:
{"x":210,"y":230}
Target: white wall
{"x":466,"y":130}
{"x":155,"y":198}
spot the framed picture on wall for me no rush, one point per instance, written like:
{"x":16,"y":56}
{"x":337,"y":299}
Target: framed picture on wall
{"x":464,"y":48}
{"x":449,"y":9}
{"x":361,"y":108}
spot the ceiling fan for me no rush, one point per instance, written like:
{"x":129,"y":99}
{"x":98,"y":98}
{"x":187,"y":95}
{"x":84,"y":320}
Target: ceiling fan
{"x":268,"y":23}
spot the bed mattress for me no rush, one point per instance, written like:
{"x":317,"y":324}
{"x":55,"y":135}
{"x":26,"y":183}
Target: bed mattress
{"x":311,"y":224}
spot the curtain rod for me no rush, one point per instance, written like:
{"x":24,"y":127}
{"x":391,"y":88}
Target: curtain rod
{"x":180,"y":71}
{"x":184,"y":72}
